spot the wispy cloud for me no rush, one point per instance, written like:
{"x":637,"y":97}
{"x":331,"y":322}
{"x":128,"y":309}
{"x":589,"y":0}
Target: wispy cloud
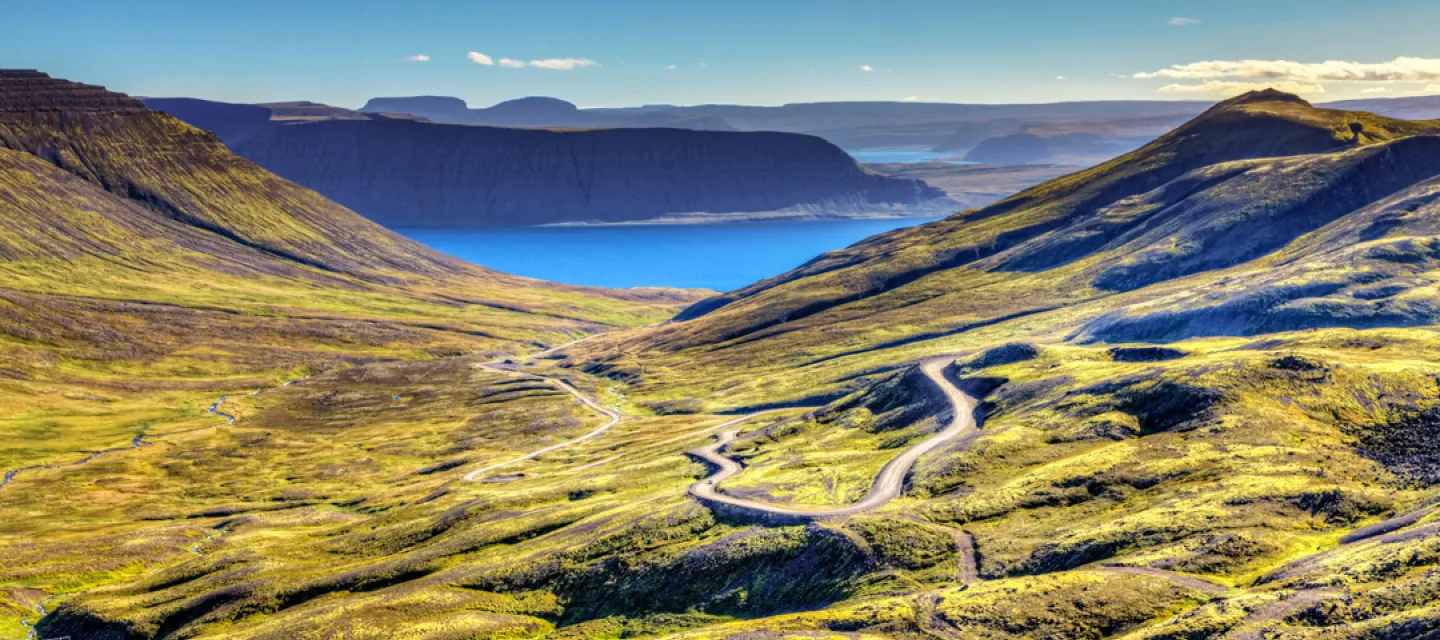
{"x":563,"y":64}
{"x":671,"y":68}
{"x":1061,"y":78}
{"x":1227,"y":89}
{"x":1402,"y":69}
{"x":912,"y":98}
{"x":866,"y":67}
{"x":1181,"y":21}
{"x":419,"y":57}
{"x":1375,"y":90}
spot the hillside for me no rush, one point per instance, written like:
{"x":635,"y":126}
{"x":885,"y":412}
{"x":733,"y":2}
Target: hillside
{"x":463,"y":176}
{"x":146,"y":273}
{"x":108,"y":191}
{"x":972,"y":186}
{"x":1054,"y":224}
{"x":1265,"y":470}
{"x":1188,"y":393}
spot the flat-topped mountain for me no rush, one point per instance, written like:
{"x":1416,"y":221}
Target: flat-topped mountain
{"x":540,"y":111}
{"x":111,"y":196}
{"x":416,"y":174}
{"x":850,"y":125}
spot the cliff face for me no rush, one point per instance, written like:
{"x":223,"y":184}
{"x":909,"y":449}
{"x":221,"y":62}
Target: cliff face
{"x":410,"y":174}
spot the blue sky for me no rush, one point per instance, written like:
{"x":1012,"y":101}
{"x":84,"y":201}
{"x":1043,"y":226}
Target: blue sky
{"x":629,"y":52}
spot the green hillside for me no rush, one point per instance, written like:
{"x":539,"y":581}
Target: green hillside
{"x":147,"y":273}
{"x":1207,"y":374}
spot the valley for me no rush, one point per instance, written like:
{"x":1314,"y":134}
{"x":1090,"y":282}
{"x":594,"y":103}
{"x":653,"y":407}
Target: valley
{"x":1187,"y":392}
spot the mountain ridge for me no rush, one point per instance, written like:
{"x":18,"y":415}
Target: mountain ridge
{"x":538,"y":176}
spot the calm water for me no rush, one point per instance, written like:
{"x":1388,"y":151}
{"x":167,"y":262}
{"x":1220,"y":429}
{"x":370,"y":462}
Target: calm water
{"x":905,"y":155}
{"x":709,"y":256}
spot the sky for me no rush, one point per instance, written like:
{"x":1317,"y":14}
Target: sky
{"x":630,"y":52}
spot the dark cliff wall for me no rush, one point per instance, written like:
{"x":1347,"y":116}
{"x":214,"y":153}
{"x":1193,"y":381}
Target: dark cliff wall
{"x":416,"y":174}
{"x":224,"y":119}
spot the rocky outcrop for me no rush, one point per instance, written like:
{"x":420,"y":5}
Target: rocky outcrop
{"x":25,"y":91}
{"x":413,"y":174}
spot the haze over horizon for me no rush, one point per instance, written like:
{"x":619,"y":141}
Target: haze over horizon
{"x":734,"y":52}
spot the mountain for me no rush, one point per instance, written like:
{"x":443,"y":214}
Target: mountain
{"x":1205,"y":371}
{"x":1255,"y":126}
{"x":469,"y":176}
{"x":1121,"y":125}
{"x":542,"y":112}
{"x":1191,"y":392}
{"x":849,"y":125}
{"x":436,"y":108}
{"x":1413,"y":108}
{"x":119,"y":202}
{"x":975,"y":185}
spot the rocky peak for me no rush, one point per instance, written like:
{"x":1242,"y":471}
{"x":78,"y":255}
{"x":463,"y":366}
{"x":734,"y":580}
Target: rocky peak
{"x":1263,"y":95}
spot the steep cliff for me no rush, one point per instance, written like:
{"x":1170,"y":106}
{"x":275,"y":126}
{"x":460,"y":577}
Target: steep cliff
{"x":413,"y":174}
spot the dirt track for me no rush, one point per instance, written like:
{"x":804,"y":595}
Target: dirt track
{"x":887,"y":484}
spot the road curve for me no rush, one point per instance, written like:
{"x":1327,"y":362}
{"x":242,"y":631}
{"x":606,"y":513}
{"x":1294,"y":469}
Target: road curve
{"x":888,"y":483}
{"x":614,"y":418}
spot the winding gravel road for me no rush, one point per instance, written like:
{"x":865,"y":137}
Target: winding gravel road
{"x":887,"y":484}
{"x":614,"y":418}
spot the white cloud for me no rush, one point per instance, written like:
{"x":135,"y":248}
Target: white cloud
{"x":866,"y":67}
{"x":1180,"y":21}
{"x":479,"y":58}
{"x":1402,"y":69}
{"x":512,"y":64}
{"x":419,"y":57}
{"x":671,"y":68}
{"x":912,"y":98}
{"x":1061,"y":78}
{"x":563,"y":64}
{"x":1376,"y":90}
{"x":1228,"y":89}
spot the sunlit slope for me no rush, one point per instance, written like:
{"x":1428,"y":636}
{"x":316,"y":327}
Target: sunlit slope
{"x":106,"y":199}
{"x":1248,"y":181}
{"x":188,"y":175}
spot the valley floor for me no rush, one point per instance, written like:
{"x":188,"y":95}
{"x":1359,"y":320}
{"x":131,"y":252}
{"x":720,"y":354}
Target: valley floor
{"x":408,"y":492}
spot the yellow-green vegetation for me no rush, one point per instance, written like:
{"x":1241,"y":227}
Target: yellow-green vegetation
{"x":1268,"y":472}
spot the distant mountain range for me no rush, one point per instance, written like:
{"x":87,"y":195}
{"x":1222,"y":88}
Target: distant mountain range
{"x":1057,"y":133}
{"x":402,"y":172}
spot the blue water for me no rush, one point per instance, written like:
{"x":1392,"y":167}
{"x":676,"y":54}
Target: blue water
{"x":704,"y":256}
{"x":905,"y":155}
